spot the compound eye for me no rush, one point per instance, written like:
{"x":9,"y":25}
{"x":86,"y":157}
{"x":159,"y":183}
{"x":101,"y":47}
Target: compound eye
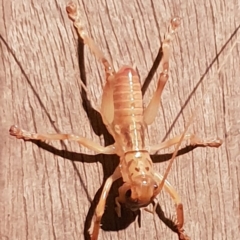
{"x":128,"y":193}
{"x":128,"y":196}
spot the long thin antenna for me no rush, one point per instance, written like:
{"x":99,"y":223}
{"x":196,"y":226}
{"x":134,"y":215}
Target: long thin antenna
{"x":191,"y":120}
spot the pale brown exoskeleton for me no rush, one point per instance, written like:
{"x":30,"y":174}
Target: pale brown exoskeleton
{"x":126,"y":120}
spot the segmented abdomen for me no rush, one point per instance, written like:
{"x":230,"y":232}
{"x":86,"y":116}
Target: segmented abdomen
{"x":127,"y":97}
{"x":128,"y":109}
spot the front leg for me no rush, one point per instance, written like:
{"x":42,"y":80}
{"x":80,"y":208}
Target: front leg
{"x":178,"y":228}
{"x":102,"y":202}
{"x":23,"y":134}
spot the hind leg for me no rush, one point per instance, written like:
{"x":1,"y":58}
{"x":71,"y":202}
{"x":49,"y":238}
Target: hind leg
{"x":75,"y":15}
{"x":151,"y":110}
{"x":106,"y":109}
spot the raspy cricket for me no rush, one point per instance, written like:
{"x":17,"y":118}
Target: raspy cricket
{"x":126,"y":120}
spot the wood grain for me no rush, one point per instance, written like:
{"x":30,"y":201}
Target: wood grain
{"x":49,"y":190}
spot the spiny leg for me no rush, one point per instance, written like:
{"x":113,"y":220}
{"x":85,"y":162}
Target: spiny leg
{"x":75,"y":16}
{"x":194,"y":141}
{"x":151,"y":110}
{"x":23,"y":134}
{"x":102,"y":202}
{"x":178,"y":205}
{"x":107,"y":102}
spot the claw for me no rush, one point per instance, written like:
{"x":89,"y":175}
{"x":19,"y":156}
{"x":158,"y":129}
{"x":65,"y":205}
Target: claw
{"x":71,"y":9}
{"x":217,"y":143}
{"x":195,"y":141}
{"x":16,"y":131}
{"x":182,"y":235}
{"x":20,"y":133}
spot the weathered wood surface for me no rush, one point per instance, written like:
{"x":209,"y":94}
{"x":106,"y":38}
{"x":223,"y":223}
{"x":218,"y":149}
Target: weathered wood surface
{"x":46,"y":190}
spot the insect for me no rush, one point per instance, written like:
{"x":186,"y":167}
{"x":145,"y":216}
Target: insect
{"x":126,"y":120}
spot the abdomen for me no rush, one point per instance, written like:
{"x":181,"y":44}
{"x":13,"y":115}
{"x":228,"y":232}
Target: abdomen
{"x":127,"y":97}
{"x":128,"y":110}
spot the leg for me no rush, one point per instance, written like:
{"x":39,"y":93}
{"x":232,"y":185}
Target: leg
{"x":23,"y":134}
{"x":179,"y":207}
{"x":107,"y":101}
{"x":194,"y":141}
{"x":107,"y":105}
{"x":121,"y":197}
{"x":75,"y":16}
{"x":151,"y":110}
{"x":102,"y":202}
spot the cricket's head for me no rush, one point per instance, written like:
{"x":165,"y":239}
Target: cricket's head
{"x":140,"y":188}
{"x":141,"y":193}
